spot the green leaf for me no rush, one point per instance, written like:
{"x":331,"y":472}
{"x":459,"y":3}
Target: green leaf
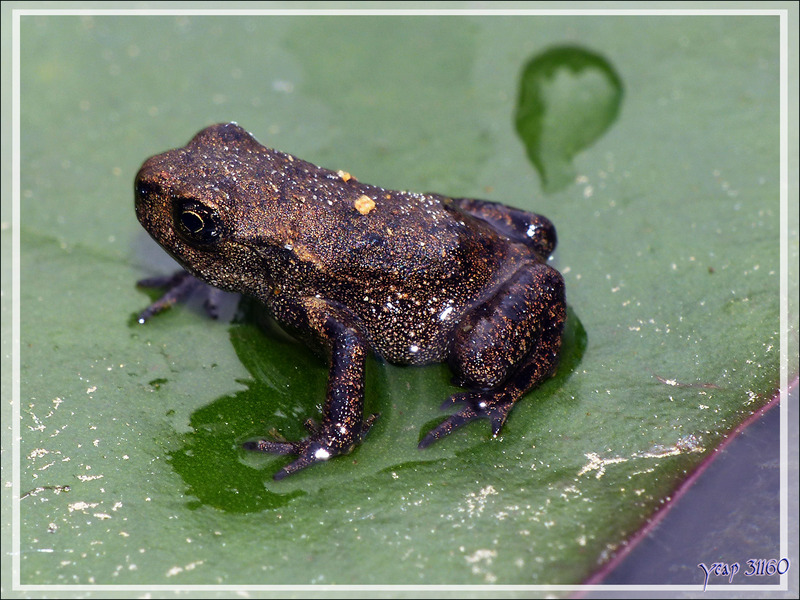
{"x":668,"y":241}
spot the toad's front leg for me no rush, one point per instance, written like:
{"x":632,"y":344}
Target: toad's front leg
{"x":343,"y":425}
{"x":177,"y":287}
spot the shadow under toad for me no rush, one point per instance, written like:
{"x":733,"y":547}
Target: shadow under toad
{"x":287,"y":386}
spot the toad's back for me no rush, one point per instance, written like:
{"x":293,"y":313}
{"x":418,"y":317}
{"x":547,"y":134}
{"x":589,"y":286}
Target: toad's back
{"x":408,"y":265}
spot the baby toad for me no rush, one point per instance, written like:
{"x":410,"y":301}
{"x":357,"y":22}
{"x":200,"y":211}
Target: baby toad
{"x":354,"y":268}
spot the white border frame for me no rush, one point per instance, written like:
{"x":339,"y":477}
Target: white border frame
{"x":783,"y":15}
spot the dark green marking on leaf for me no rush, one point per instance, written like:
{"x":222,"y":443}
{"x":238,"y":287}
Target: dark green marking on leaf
{"x":158,"y":382}
{"x":568,"y":97}
{"x":210,"y":459}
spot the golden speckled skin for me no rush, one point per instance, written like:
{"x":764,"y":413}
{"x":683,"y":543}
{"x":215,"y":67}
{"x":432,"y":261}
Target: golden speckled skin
{"x":415,"y":278}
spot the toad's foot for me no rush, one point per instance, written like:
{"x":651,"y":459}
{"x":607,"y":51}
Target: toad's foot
{"x":491,"y":404}
{"x":322,"y":444}
{"x":178,"y":287}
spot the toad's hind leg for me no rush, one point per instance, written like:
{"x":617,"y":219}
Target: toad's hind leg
{"x":531,"y":229}
{"x":506,"y":346}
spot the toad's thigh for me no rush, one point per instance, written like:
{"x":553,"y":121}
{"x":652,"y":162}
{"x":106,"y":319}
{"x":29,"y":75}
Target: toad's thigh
{"x":495,"y":337}
{"x":535,"y":231}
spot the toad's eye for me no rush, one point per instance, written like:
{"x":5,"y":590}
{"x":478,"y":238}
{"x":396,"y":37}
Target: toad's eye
{"x":196,"y":222}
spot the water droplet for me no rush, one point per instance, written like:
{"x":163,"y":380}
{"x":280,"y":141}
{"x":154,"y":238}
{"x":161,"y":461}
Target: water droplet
{"x":568,"y":97}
